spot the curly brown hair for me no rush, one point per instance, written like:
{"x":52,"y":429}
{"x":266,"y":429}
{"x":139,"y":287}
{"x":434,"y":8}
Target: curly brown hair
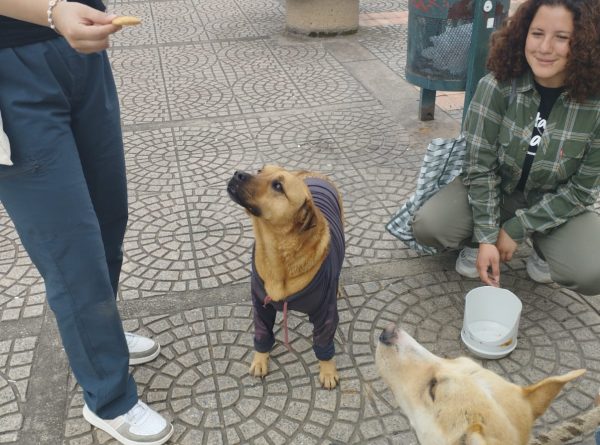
{"x":506,"y":58}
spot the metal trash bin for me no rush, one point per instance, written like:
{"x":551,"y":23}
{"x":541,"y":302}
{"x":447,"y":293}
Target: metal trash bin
{"x":446,"y":41}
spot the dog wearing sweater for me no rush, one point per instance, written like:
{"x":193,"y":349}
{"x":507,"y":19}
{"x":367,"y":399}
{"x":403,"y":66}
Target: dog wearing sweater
{"x":297,"y":219}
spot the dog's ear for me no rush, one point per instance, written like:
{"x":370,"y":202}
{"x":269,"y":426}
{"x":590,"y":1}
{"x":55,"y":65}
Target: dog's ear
{"x":541,"y":394}
{"x":306,"y":216}
{"x":474,"y":435}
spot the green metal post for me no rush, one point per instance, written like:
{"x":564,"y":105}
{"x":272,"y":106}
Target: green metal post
{"x":427,"y":104}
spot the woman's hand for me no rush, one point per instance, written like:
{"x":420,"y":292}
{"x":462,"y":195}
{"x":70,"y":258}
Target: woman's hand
{"x":506,"y":246}
{"x":85,"y":28}
{"x":489,"y":258}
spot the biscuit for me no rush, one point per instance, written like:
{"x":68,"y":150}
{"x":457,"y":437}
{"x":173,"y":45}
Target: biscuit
{"x":126,"y":20}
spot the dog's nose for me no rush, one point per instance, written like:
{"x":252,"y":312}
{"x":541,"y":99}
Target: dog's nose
{"x":389,"y":335}
{"x":241,"y":176}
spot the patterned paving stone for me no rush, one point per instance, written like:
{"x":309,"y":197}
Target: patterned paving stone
{"x":370,"y":6}
{"x":177,"y":21}
{"x":140,"y":84}
{"x":210,"y":155}
{"x":201,"y":382}
{"x":182,"y":242}
{"x":170,"y":159}
{"x":196,"y":85}
{"x":229,"y":23}
{"x":388,"y":44}
{"x":11,"y":417}
{"x":16,"y":358}
{"x":22,"y":292}
{"x":331,"y":139}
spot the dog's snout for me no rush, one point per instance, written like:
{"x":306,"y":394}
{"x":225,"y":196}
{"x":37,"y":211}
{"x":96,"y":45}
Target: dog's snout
{"x":389,"y":335}
{"x":241,"y":176}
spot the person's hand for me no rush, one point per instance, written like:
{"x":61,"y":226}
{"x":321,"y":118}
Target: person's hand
{"x":86,"y":29}
{"x":506,"y":246}
{"x":488,"y":259}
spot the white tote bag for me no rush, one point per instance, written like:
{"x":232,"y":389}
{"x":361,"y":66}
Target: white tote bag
{"x":4,"y":147}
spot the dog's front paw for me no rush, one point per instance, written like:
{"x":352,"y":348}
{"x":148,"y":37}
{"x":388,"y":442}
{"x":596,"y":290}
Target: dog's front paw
{"x":328,"y":375}
{"x":260,"y":364}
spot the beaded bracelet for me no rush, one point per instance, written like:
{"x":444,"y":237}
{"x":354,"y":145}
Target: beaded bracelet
{"x":51,"y":5}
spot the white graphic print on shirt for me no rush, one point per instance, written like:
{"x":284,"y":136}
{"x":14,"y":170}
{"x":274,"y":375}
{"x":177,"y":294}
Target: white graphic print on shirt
{"x":540,"y":125}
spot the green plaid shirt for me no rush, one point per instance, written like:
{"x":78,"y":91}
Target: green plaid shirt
{"x":565,"y":176}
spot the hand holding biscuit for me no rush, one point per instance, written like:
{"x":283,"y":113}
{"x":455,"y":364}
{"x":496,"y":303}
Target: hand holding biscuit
{"x":126,"y":20}
{"x":86,"y":29}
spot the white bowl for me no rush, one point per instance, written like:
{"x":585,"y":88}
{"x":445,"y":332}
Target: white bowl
{"x":491,"y":322}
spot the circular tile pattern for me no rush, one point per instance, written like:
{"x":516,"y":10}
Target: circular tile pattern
{"x":188,"y":61}
{"x":259,"y":91}
{"x":151,"y":160}
{"x":209,"y":156}
{"x":224,"y":26}
{"x":9,"y":246}
{"x":180,"y":29}
{"x":388,"y":44}
{"x":10,"y":413}
{"x":244,"y":54}
{"x":197,"y":241}
{"x":22,"y":292}
{"x":192,"y":98}
{"x":200,"y":381}
{"x":371,"y":6}
{"x":334,"y":138}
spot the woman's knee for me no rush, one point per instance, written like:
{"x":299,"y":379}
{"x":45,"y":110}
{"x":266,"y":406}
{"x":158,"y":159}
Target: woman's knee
{"x":587,"y":281}
{"x":422,"y":230}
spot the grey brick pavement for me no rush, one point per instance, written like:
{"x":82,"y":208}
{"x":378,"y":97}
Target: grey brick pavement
{"x":213,"y":86}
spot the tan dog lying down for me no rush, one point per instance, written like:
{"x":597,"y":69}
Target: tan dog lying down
{"x":456,"y":401}
{"x":297,"y":219}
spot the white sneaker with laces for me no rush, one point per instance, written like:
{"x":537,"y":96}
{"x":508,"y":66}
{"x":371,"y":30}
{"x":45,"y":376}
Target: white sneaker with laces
{"x":537,"y":269}
{"x":141,"y":349}
{"x":141,"y":425}
{"x":466,"y":262}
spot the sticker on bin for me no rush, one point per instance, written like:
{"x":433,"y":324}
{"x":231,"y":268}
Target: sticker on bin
{"x":491,"y":322}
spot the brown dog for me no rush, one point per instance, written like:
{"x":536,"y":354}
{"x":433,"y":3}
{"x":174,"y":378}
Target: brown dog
{"x":297,"y":219}
{"x":457,"y":402}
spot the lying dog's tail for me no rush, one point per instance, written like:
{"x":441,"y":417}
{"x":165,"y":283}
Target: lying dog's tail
{"x":581,"y":425}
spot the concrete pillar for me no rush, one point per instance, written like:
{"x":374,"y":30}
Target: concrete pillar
{"x":322,"y":17}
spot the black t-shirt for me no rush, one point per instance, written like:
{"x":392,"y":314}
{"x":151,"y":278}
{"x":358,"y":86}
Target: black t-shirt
{"x":548,"y":99}
{"x":17,"y":33}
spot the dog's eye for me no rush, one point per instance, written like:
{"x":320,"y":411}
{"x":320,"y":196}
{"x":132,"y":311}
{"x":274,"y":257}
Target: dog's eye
{"x":432,"y":387}
{"x":277,"y":186}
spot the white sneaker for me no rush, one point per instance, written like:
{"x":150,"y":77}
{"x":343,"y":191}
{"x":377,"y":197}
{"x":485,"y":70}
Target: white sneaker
{"x":141,"y":425}
{"x":466,"y":262}
{"x":141,"y":349}
{"x":537,"y":269}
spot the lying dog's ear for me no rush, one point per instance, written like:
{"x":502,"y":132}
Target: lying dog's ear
{"x":541,"y":394}
{"x":306,"y":216}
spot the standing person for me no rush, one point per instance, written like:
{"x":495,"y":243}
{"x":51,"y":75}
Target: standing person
{"x":66,"y":194}
{"x":532,"y":168}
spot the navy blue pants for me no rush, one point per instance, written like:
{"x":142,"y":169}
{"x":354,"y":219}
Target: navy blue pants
{"x":67,"y":197}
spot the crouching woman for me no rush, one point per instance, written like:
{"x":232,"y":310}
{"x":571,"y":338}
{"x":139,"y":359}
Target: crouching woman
{"x":532,"y":168}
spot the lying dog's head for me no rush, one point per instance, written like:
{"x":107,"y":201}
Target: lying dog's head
{"x":456,"y":401}
{"x":274,"y":195}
